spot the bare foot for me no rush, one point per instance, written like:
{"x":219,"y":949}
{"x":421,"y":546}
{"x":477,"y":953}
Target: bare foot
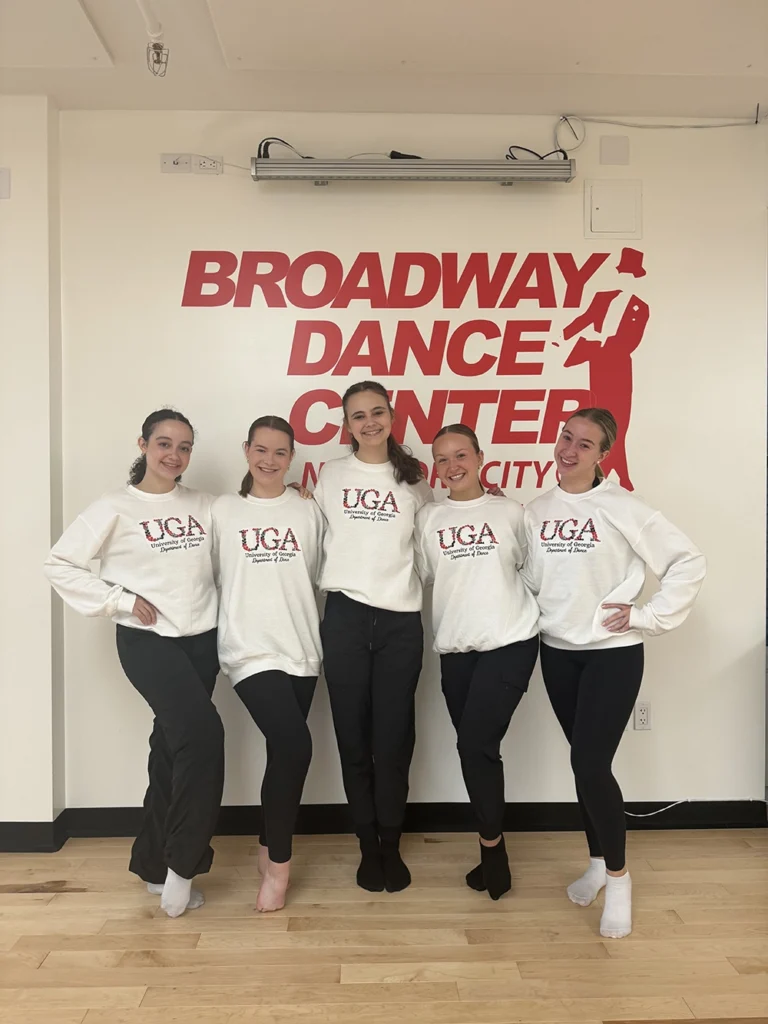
{"x":273,"y":887}
{"x":263,"y":860}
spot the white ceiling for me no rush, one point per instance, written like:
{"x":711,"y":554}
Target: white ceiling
{"x":693,"y":58}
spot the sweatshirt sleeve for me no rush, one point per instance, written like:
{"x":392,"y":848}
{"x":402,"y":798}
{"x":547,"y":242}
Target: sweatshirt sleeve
{"x":216,"y":549}
{"x":528,"y":570}
{"x":420,"y":552}
{"x":318,"y":494}
{"x":521,"y":537}
{"x":680,"y":569}
{"x":320,"y":524}
{"x":68,"y":570}
{"x":424,"y":494}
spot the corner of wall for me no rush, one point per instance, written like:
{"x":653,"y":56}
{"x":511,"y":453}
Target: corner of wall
{"x":56,"y":449}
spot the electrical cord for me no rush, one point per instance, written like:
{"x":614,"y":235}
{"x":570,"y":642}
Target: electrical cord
{"x":266,"y":144}
{"x":562,"y":147}
{"x":580,"y":138}
{"x":559,"y":151}
{"x":651,"y":814}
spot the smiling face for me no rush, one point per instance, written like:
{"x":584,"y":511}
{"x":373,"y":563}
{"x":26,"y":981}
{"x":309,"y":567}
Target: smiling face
{"x":168,"y":450}
{"x":269,"y":455}
{"x":579,"y":450}
{"x":458,"y":465}
{"x":369,"y":420}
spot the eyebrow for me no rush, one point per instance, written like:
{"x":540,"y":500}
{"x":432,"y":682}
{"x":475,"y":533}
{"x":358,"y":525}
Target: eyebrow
{"x":162,"y":437}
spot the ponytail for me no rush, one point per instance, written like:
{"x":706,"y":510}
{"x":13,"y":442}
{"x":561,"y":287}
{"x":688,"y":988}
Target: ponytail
{"x":246,"y":485}
{"x":405,"y":464}
{"x":138,"y":469}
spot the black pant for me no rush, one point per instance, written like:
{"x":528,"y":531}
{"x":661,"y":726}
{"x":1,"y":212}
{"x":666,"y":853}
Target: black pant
{"x":372,"y":663}
{"x":593,"y":693}
{"x":279,"y":705}
{"x":482,"y":690}
{"x":176,"y":677}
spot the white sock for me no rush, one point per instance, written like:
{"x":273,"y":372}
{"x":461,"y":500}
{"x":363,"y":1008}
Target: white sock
{"x":196,"y":898}
{"x":176,"y":895}
{"x":585,"y":889}
{"x":616,"y":921}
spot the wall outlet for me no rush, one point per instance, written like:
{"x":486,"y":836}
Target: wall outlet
{"x":207,"y":164}
{"x":643,"y":714}
{"x":175,"y":163}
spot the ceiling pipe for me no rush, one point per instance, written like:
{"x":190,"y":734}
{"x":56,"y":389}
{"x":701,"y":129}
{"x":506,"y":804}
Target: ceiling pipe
{"x":154,"y":28}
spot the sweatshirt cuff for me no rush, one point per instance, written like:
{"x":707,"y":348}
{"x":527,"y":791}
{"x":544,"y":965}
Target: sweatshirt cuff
{"x":637,"y":618}
{"x":126,"y":602}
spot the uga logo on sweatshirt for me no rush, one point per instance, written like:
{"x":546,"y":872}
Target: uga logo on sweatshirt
{"x":369,"y":503}
{"x":568,"y":536}
{"x":173,"y":534}
{"x":466,"y":541}
{"x":268,"y":544}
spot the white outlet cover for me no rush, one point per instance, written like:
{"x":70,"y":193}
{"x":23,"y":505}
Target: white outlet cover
{"x":207,"y":164}
{"x":175,"y":163}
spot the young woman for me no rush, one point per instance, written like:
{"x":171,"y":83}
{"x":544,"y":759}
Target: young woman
{"x":268,"y":542}
{"x":589,"y":542}
{"x":155,"y":580}
{"x":470,"y":547}
{"x":371,"y":631}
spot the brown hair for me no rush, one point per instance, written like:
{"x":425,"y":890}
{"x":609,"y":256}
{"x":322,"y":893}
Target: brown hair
{"x":604,"y":419}
{"x":406,"y":466}
{"x":274,"y":423}
{"x":459,"y":428}
{"x":139,"y":467}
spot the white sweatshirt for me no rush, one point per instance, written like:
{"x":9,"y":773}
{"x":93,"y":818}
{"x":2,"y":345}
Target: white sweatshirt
{"x":471,"y":551}
{"x":369,"y":550}
{"x":267,"y":553}
{"x":589,"y":549}
{"x":156,"y":546}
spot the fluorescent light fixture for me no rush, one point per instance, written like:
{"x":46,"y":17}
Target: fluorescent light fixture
{"x":504,"y":172}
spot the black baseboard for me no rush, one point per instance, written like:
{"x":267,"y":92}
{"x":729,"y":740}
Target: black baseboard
{"x":31,"y":836}
{"x":333,"y":819}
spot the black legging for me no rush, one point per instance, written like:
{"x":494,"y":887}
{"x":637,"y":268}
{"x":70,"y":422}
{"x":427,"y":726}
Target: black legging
{"x":279,"y":705}
{"x":372,"y":660}
{"x":482,"y":690}
{"x":176,"y":677}
{"x":592,"y":693}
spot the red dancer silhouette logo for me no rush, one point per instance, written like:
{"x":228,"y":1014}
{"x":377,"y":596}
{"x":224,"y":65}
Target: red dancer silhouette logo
{"x":610,"y":361}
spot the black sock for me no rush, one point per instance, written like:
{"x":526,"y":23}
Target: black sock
{"x":495,"y":865}
{"x":370,"y":874}
{"x":396,"y":873}
{"x":475,"y":879}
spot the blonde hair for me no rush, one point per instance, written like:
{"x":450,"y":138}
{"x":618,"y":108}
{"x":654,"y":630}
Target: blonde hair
{"x":604,"y":419}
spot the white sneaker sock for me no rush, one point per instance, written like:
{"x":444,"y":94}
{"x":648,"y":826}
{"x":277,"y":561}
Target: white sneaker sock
{"x":196,"y":898}
{"x":585,"y":889}
{"x":616,"y":921}
{"x":176,"y":895}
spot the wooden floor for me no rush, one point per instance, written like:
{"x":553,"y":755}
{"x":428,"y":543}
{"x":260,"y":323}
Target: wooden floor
{"x":80,"y":940}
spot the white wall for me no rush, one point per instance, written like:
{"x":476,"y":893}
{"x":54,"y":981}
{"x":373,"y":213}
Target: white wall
{"x":697,"y":440}
{"x":30,"y":743}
